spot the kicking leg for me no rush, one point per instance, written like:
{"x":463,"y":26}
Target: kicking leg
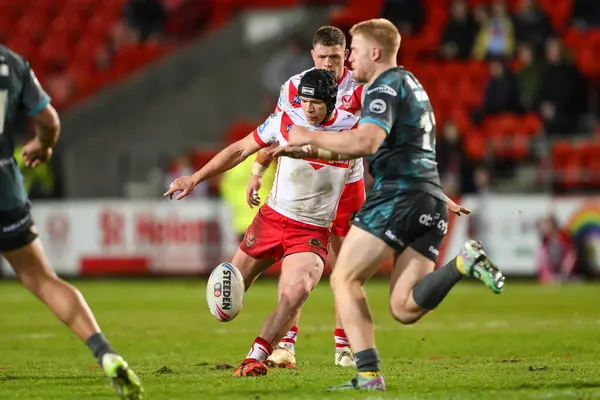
{"x":67,"y":303}
{"x":250,"y":267}
{"x":300,"y":273}
{"x":284,"y":354}
{"x":417,"y":289}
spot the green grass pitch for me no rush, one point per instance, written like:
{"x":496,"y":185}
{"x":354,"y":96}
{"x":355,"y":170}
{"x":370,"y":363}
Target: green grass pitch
{"x":530,"y":342}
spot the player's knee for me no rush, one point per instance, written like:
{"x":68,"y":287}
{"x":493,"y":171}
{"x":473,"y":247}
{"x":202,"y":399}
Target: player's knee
{"x":402,"y":314}
{"x":343,"y":277}
{"x":294,"y":295}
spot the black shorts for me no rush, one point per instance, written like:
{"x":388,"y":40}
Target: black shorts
{"x":16,"y":228}
{"x":405,"y":219}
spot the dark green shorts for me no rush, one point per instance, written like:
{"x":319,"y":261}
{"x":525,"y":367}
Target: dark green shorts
{"x":405,"y":219}
{"x":15,"y":228}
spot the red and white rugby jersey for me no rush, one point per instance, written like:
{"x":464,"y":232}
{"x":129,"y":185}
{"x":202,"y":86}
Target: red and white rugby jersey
{"x":349,"y":98}
{"x":306,"y":190}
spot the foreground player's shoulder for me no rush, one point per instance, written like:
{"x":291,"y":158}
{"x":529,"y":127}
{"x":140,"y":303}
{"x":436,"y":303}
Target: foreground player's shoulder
{"x":389,"y":82}
{"x":15,"y":61}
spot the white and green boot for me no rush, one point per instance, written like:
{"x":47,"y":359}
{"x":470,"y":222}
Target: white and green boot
{"x":122,"y":377}
{"x":475,"y":263}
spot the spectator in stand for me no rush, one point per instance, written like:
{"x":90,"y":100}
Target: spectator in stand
{"x":529,"y":77}
{"x":146,"y":17}
{"x":556,"y":255}
{"x":532,"y":25}
{"x":451,"y":158}
{"x":586,"y":14}
{"x":496,"y":37}
{"x":501,"y":93}
{"x":459,"y":34}
{"x":407,"y":15}
{"x":563,"y":97}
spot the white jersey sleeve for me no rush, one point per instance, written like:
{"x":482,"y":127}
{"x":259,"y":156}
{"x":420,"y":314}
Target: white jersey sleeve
{"x":283,"y":103}
{"x":268,"y":132}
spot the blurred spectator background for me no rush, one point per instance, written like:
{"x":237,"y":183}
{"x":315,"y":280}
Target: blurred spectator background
{"x":514,"y":84}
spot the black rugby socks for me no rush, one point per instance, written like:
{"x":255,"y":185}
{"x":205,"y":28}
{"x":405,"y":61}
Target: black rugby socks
{"x":433,"y":288}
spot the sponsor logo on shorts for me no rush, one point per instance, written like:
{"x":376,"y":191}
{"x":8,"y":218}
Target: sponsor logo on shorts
{"x":426,"y":219}
{"x":16,"y":225}
{"x":434,"y":251}
{"x":393,"y":237}
{"x":442,"y":226}
{"x":317,"y":244}
{"x":250,"y":239}
{"x":217,"y":291}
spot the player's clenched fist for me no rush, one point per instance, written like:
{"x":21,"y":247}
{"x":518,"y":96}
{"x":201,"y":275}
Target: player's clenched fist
{"x":183,"y":184}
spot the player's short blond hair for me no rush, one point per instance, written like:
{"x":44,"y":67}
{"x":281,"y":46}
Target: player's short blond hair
{"x":382,"y":31}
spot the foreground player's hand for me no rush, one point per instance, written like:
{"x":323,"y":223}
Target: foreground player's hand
{"x":252,"y":197}
{"x":35,"y":153}
{"x":183,"y":184}
{"x":456,"y":209}
{"x":291,"y":151}
{"x":298,"y":136}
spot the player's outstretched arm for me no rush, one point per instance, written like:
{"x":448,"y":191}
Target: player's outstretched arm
{"x":309,"y":151}
{"x":223,"y":161}
{"x":355,"y":143}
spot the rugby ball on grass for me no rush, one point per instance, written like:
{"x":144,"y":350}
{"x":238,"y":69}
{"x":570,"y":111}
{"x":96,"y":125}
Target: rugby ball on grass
{"x":225,"y":292}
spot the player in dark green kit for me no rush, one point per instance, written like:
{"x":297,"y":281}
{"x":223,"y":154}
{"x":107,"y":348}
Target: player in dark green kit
{"x":405,"y":215}
{"x":22,"y":98}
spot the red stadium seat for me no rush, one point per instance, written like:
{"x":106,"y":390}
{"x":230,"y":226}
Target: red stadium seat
{"x":590,"y":156}
{"x":567,"y":164}
{"x":475,"y":147}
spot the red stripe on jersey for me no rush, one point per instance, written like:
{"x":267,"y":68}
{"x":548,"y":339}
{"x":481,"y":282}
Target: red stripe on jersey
{"x":258,"y":139}
{"x":356,"y":125}
{"x":332,"y":120}
{"x":286,"y":124}
{"x":318,"y":164}
{"x":292,"y":93}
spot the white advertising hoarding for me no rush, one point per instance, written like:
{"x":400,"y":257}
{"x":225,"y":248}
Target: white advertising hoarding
{"x":187,"y":237}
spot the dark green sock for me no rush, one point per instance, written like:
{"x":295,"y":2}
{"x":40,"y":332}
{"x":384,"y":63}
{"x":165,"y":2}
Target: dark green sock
{"x":367,"y":360}
{"x":99,"y":346}
{"x":433,"y":288}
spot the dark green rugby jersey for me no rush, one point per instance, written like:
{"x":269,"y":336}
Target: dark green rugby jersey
{"x":397,"y":102}
{"x":21,"y":96}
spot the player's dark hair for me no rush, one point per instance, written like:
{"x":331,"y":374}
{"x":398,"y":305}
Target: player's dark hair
{"x":320,"y":84}
{"x":329,"y":36}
